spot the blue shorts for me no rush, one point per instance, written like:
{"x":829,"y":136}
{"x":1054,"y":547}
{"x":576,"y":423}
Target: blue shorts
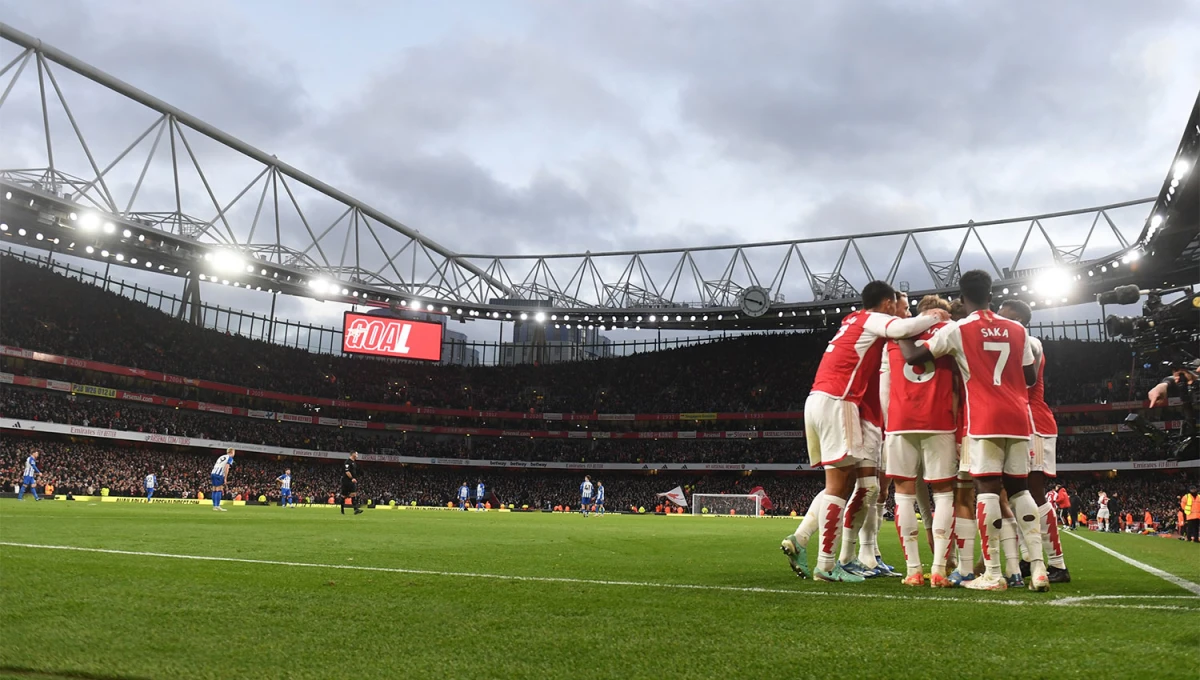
{"x":218,"y":480}
{"x":28,"y":481}
{"x":586,"y":500}
{"x":285,"y":492}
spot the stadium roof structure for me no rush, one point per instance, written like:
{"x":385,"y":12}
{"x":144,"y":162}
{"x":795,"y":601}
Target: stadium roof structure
{"x":182,"y":198}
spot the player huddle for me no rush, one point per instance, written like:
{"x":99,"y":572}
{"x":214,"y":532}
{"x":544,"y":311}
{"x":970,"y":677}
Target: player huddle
{"x":952,"y":401}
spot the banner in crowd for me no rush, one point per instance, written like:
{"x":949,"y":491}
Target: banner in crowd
{"x":764,"y":501}
{"x":389,"y":457}
{"x":112,"y":369}
{"x":676,"y":496}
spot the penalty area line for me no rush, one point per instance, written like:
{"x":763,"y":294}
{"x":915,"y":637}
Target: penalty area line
{"x":1063,"y":602}
{"x":1187,"y":585}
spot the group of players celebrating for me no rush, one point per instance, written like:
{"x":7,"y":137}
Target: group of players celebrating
{"x":958,"y":390}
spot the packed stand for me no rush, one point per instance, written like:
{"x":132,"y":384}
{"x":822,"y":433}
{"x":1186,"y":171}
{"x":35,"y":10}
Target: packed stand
{"x":1159,"y":495}
{"x":84,"y":468}
{"x":770,"y":372}
{"x":37,"y":405}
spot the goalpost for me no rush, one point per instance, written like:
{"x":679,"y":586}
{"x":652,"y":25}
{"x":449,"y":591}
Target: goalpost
{"x":742,"y":505}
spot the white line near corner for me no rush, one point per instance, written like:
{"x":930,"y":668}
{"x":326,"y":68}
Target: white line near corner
{"x":1187,"y":585}
{"x":1085,"y":602}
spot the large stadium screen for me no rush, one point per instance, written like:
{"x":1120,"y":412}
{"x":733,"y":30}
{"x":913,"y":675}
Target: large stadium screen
{"x":382,"y":336}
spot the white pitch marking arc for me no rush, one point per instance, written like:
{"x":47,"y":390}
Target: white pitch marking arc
{"x":1067,"y":602}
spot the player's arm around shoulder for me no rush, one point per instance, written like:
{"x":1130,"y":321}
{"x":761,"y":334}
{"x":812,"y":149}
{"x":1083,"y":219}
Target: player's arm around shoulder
{"x":942,"y":343}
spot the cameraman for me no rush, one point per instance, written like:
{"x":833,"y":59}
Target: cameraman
{"x":1182,"y":379}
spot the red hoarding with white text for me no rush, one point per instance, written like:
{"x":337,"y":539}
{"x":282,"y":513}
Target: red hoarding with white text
{"x":383,"y":336}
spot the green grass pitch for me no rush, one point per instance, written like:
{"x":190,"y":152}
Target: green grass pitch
{"x":598,"y":603}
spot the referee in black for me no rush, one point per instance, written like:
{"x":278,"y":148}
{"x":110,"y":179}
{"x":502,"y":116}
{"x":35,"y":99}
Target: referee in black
{"x":350,"y":484}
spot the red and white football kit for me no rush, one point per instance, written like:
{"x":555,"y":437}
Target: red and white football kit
{"x":1043,"y":446}
{"x":922,"y":418}
{"x":990,"y":351}
{"x":841,"y":397}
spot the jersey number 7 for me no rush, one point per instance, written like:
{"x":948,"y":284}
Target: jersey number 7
{"x":1001,"y":361}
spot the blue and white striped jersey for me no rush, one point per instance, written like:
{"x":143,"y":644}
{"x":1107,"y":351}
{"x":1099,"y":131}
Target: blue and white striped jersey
{"x":464,"y":492}
{"x":479,"y":490}
{"x":585,"y":489}
{"x":285,"y":481}
{"x":219,"y":468}
{"x":31,"y":467}
{"x":600,"y":493}
{"x":150,"y":480}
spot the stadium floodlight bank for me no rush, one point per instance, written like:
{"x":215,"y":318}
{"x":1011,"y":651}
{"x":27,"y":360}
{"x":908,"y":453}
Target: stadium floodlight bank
{"x":719,"y":505}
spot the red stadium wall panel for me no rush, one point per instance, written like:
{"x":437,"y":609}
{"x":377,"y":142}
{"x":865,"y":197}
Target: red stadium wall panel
{"x":390,"y":338}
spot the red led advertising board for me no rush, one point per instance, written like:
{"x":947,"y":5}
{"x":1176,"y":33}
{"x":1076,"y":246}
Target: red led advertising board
{"x":382,"y":336}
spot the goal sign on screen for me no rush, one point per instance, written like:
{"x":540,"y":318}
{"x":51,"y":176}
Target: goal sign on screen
{"x":383,"y":336}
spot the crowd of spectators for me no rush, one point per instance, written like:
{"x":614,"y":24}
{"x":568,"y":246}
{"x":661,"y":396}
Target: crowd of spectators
{"x":770,"y":372}
{"x":87,"y":467}
{"x":1134,"y":494}
{"x":40,"y":405}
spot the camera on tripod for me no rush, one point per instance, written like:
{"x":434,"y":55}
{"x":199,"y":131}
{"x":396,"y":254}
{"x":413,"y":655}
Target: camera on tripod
{"x":1173,"y":327}
{"x":1169,"y":330}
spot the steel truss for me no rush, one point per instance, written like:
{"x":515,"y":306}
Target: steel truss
{"x":200,"y":186}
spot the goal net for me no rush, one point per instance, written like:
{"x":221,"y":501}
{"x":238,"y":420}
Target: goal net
{"x":738,"y":505}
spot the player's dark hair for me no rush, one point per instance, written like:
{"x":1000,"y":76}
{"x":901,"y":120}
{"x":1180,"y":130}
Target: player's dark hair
{"x":976,"y":287}
{"x":956,"y":309}
{"x":876,"y":293}
{"x":1024,"y":313}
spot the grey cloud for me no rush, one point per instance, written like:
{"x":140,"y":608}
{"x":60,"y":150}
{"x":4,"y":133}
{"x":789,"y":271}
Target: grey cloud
{"x":457,"y":202}
{"x":441,"y":88}
{"x":208,"y":68}
{"x":832,"y":88}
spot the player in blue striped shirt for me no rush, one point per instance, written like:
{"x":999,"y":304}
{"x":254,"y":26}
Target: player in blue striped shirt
{"x":285,"y":488}
{"x":600,"y":497}
{"x":480,"y":495}
{"x":219,"y":472}
{"x":585,"y":495}
{"x":464,"y":496}
{"x":29,"y":479}
{"x":151,"y":480}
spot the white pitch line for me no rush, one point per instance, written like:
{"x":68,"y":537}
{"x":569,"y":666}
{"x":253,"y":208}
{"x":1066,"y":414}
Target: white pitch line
{"x":1067,"y":602}
{"x":1187,"y":585}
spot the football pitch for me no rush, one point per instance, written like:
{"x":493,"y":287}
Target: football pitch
{"x":166,"y":591}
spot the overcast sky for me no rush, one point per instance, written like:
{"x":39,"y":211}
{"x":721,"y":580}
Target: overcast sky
{"x":538,"y":126}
